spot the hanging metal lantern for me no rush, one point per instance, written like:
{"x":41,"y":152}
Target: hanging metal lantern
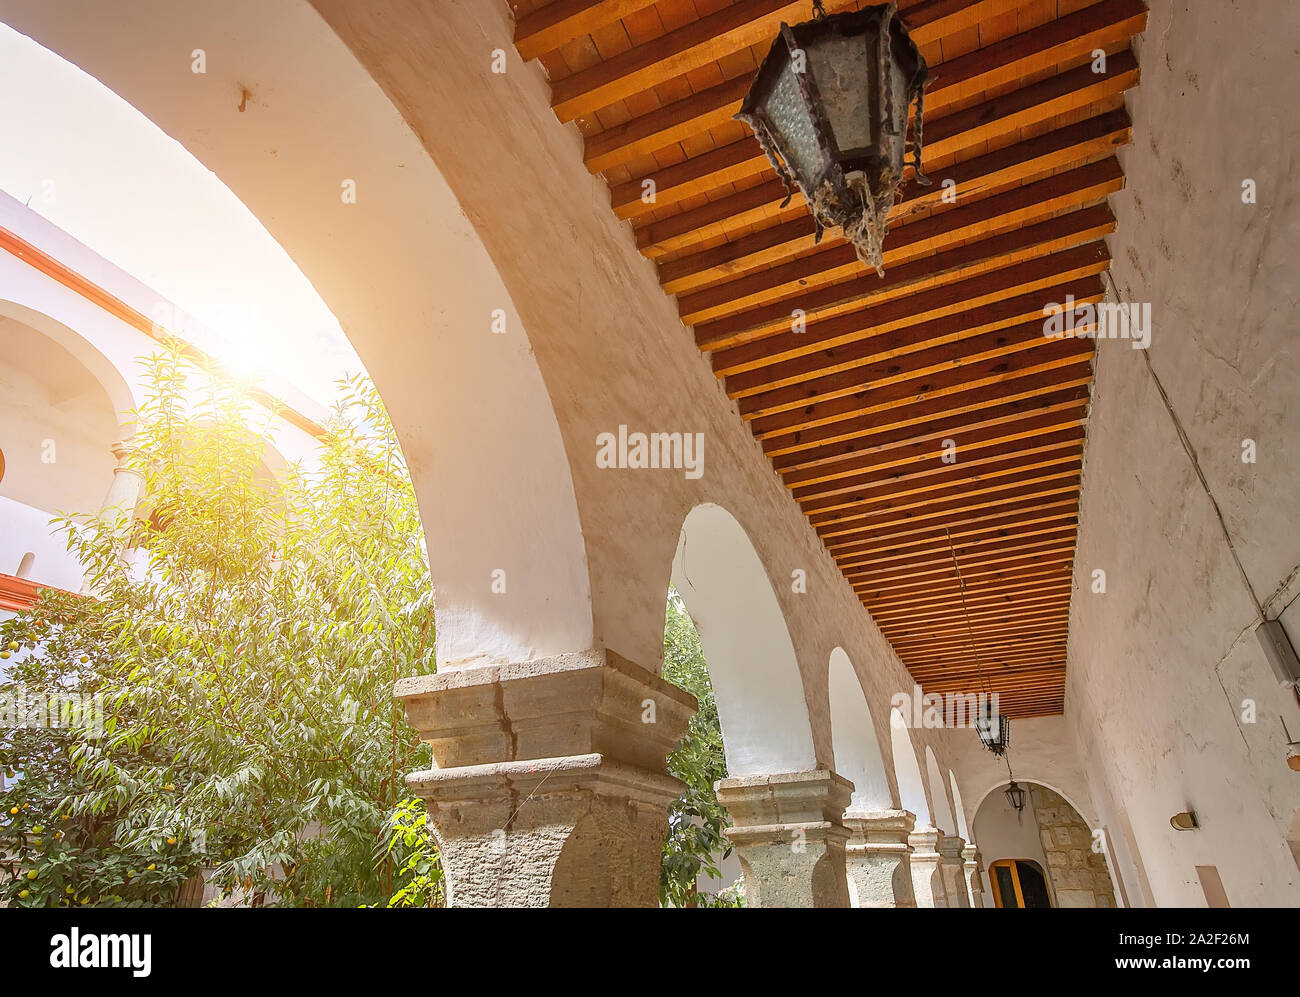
{"x":829,"y":107}
{"x":1015,"y":795}
{"x":994,"y":730}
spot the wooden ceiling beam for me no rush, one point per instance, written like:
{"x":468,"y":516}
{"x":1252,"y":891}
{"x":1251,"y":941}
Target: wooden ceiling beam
{"x":950,"y":299}
{"x":867,"y":485}
{"x":935,"y":553}
{"x":561,"y":21}
{"x":981,"y":353}
{"x":1058,"y":482}
{"x":1028,"y":107}
{"x":935,"y":419}
{"x":1058,"y":41}
{"x":767,"y":300}
{"x":1015,"y":515}
{"x":835,"y":514}
{"x":1053,"y":364}
{"x":1061,"y":147}
{"x":1007,"y":434}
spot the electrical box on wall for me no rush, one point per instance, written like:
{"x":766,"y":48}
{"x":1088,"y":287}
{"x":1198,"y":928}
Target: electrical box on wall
{"x":1277,"y":648}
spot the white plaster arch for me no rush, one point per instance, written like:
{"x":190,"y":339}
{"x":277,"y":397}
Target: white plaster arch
{"x":751,"y":659}
{"x":1001,"y":784}
{"x":940,"y":809}
{"x":963,"y":828}
{"x":403,"y":270}
{"x":114,"y":369}
{"x":907,"y":771}
{"x":853,"y":737}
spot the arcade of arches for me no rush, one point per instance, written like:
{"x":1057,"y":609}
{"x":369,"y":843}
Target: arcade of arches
{"x":509,"y":301}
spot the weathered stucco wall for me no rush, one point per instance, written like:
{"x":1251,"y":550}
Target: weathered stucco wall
{"x":1161,"y":663}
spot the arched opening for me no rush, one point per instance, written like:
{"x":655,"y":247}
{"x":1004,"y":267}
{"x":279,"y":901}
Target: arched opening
{"x":1051,"y":833}
{"x":907,"y":771}
{"x":751,"y":660}
{"x":470,"y":408}
{"x":940,"y":811}
{"x":61,"y":422}
{"x":853,"y":737}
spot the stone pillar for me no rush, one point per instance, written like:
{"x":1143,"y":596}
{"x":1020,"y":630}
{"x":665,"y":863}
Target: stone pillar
{"x":878,"y":857}
{"x":788,"y":833}
{"x":549,"y":786}
{"x":971,"y":864}
{"x":952,"y":869}
{"x":927,"y":879}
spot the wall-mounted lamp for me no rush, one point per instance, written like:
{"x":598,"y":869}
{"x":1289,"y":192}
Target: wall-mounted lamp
{"x":1185,"y":821}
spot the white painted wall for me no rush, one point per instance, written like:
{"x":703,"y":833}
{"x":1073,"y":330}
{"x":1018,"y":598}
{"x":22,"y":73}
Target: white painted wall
{"x":1160,"y":665}
{"x":752,"y":665}
{"x":853,"y":736}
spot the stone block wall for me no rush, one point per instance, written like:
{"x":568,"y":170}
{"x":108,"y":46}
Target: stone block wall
{"x":1078,"y":874}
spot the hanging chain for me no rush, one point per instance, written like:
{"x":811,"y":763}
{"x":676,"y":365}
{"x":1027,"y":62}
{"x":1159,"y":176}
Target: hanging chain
{"x":819,"y":10}
{"x":918,"y":86}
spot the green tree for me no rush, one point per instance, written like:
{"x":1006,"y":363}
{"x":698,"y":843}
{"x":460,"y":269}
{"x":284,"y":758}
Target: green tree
{"x":243,"y":645}
{"x":697,"y":819}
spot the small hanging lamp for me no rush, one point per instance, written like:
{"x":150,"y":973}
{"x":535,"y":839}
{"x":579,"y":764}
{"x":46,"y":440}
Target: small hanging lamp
{"x":1014,"y":793}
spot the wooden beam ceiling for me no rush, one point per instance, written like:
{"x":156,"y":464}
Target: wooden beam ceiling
{"x":862,"y":409}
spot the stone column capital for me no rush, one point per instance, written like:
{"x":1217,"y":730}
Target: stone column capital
{"x":878,"y":857}
{"x":550,"y":783}
{"x":885,"y":827}
{"x":951,"y":847}
{"x":564,"y":705}
{"x":788,"y":833}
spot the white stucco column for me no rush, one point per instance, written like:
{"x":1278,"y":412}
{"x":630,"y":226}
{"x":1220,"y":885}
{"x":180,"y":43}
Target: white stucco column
{"x":124,"y":493}
{"x":952,"y":869}
{"x":550,"y":785}
{"x":927,"y":876}
{"x":971,"y":863}
{"x":789,"y":835}
{"x":878,"y":858}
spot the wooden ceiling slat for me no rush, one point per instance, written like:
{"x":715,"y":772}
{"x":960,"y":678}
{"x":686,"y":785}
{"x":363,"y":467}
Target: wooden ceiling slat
{"x":1031,"y":106}
{"x":765,"y":299}
{"x":1010,"y":517}
{"x":1004,"y":322}
{"x":861,"y":487}
{"x":1060,"y":147}
{"x":943,"y":546}
{"x":736,"y":27}
{"x":1029,"y":426}
{"x":1062,"y":480}
{"x":936,"y":619}
{"x":705,"y":287}
{"x":1070,"y":37}
{"x":561,"y":21}
{"x":753,"y":351}
{"x":934,"y":419}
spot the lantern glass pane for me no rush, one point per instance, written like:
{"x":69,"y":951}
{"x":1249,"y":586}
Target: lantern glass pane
{"x":792,"y":129}
{"x":848,"y":80}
